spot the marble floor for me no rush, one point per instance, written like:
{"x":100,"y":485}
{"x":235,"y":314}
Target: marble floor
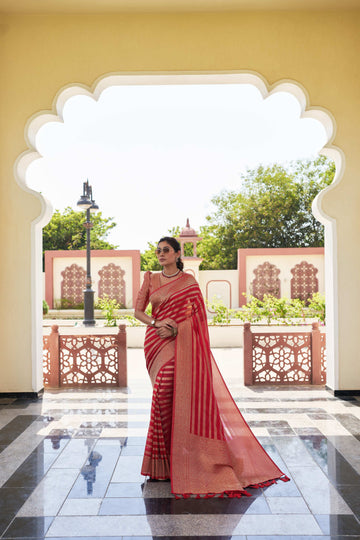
{"x":70,"y":466}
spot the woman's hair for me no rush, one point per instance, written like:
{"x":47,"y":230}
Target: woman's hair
{"x":176,"y":247}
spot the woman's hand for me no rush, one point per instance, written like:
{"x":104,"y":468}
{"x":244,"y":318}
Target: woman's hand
{"x":166,"y":323}
{"x":166,"y":328}
{"x":164,"y":332}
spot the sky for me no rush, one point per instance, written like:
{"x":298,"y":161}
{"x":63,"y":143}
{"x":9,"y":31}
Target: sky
{"x":156,"y":155}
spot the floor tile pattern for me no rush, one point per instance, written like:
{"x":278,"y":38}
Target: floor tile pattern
{"x":70,"y":466}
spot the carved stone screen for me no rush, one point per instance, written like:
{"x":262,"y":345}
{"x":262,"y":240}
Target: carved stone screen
{"x":90,"y":360}
{"x":323,"y":357}
{"x":73,"y":284}
{"x":281,"y":358}
{"x":304,"y":282}
{"x":266,"y":281}
{"x":112,"y":283}
{"x":46,"y":360}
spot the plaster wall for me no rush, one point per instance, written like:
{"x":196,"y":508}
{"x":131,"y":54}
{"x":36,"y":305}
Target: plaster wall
{"x":57,"y":261}
{"x":220,"y":285}
{"x":97,"y":264}
{"x":41,"y":54}
{"x":284,"y":263}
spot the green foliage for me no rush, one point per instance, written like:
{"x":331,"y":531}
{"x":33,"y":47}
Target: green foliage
{"x":272,"y":209}
{"x":68,"y":303}
{"x":188,"y":250}
{"x":149,"y":260}
{"x":270,"y":309}
{"x":222,"y":314}
{"x":66,"y":231}
{"x":297,"y":310}
{"x":317,"y":306}
{"x":251,"y":312}
{"x":45,"y":307}
{"x":108,"y":306}
{"x":282,"y":310}
{"x":130,"y":320}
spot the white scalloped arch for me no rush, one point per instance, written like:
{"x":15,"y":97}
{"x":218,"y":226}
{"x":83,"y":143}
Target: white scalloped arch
{"x":240,"y":77}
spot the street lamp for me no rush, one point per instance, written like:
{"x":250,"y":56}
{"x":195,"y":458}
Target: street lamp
{"x":87,"y":203}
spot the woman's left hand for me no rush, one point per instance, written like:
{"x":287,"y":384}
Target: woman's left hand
{"x":165,"y":332}
{"x":167,"y":323}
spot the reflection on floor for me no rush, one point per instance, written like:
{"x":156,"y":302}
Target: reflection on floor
{"x":70,"y":466}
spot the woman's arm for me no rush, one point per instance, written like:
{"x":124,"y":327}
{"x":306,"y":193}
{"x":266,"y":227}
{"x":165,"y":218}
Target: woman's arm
{"x":166,"y":327}
{"x":142,"y":301}
{"x":144,"y":318}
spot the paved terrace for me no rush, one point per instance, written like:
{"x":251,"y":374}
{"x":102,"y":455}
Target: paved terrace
{"x":69,"y":467}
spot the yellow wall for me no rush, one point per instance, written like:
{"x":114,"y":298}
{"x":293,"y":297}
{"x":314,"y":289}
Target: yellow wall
{"x":41,"y":54}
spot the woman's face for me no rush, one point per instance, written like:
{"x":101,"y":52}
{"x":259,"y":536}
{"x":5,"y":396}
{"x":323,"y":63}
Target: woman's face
{"x":166,"y":254}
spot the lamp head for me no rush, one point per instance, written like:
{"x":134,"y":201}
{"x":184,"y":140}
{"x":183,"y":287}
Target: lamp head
{"x":94,"y":207}
{"x":84,"y":203}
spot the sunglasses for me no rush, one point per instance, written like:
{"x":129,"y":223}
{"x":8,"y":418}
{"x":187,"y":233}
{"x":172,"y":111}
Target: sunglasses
{"x":165,"y":249}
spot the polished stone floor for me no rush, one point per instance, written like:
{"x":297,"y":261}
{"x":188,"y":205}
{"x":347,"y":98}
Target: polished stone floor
{"x":70,"y":466}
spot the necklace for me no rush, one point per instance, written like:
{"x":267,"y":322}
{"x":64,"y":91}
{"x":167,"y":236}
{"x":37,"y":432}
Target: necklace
{"x":170,"y":275}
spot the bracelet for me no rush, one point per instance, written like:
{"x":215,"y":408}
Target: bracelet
{"x":153,"y":323}
{"x":174,"y":331}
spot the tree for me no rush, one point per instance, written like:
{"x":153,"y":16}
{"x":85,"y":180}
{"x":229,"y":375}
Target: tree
{"x":272,"y":209}
{"x":149,"y":260}
{"x":66,"y":231}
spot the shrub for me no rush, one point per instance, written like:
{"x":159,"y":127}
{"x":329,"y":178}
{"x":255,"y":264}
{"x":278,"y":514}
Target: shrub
{"x":108,"y":307}
{"x":222,"y":314}
{"x":131,"y":320}
{"x":281,"y":309}
{"x":45,"y":307}
{"x":316,"y":306}
{"x":68,"y":303}
{"x":251,"y":312}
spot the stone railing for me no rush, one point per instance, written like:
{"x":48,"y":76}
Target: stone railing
{"x":84,"y":360}
{"x":284,"y":358}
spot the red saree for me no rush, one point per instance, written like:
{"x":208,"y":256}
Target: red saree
{"x":197,"y":436}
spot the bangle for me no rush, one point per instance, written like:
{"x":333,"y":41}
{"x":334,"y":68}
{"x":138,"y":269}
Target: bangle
{"x":174,"y":332}
{"x":153,"y":322}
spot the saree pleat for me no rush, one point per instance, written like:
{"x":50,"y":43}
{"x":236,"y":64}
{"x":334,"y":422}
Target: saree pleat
{"x":156,"y":462}
{"x":197,"y":435}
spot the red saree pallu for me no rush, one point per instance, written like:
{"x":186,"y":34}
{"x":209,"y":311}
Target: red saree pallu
{"x":197,"y":436}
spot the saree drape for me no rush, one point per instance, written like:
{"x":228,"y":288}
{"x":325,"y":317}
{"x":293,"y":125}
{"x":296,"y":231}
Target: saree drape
{"x":197,"y":436}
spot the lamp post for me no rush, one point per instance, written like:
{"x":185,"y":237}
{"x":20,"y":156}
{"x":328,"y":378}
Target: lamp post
{"x":87,"y":203}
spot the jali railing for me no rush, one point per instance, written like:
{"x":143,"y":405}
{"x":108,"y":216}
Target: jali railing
{"x":284,"y":358}
{"x":84,"y":360}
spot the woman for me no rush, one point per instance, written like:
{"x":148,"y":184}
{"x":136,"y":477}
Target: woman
{"x":197,"y":437}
